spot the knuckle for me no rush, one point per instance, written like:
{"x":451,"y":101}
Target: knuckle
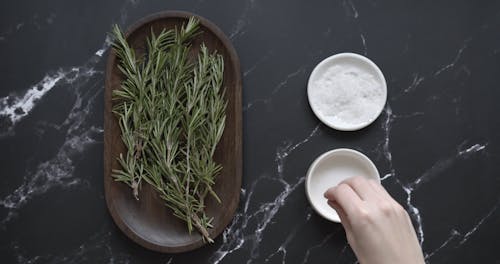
{"x":387,"y":208}
{"x":342,"y":187}
{"x":357,"y":180}
{"x":363,"y":216}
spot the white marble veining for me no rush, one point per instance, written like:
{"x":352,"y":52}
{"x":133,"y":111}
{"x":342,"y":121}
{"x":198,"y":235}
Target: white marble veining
{"x":282,"y":84}
{"x":363,"y":41}
{"x":243,"y":21}
{"x":457,"y":238}
{"x":59,"y":170}
{"x":16,"y":107}
{"x":352,"y":13}
{"x":99,"y":243}
{"x":443,"y":164}
{"x":240,"y":233}
{"x":85,"y":82}
{"x":282,"y":248}
{"x":453,"y":235}
{"x":473,"y":230}
{"x":35,"y":21}
{"x":259,"y":61}
{"x":417,"y":79}
{"x":350,"y":8}
{"x":317,"y":246}
{"x":413,"y":211}
{"x":455,"y":60}
{"x":462,"y":152}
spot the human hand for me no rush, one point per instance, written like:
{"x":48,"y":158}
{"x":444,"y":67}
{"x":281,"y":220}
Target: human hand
{"x":378,"y":229}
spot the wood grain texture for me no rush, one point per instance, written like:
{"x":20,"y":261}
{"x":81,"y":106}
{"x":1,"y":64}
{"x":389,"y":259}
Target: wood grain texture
{"x":148,"y":221}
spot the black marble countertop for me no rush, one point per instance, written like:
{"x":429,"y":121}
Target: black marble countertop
{"x":436,"y":144}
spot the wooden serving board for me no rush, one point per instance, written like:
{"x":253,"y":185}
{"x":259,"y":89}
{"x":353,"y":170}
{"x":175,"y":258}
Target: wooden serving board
{"x":148,"y":221}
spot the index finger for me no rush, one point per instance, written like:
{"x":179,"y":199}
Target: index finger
{"x":362,"y":187}
{"x":345,"y":197}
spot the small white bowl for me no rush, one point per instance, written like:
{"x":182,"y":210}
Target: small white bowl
{"x":351,"y":60}
{"x":329,"y":170}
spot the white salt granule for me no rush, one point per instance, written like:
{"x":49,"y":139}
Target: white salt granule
{"x":347,"y":95}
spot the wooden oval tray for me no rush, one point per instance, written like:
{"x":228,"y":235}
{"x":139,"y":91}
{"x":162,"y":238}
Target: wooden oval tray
{"x":148,"y":221}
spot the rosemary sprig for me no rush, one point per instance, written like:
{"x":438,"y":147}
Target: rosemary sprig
{"x":171,"y":113}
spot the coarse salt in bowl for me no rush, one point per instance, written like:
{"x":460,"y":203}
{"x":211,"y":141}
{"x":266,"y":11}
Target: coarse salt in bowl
{"x":347,"y":91}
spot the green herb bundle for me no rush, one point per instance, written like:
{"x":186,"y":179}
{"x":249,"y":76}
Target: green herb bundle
{"x":171,"y":112}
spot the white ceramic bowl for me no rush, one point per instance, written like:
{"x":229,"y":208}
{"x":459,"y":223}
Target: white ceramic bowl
{"x":329,"y":170}
{"x":351,"y":60}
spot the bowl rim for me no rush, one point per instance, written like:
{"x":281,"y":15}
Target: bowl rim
{"x":313,"y":76}
{"x":321,"y":158}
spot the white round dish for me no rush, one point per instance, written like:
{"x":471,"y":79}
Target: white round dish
{"x":363,"y":65}
{"x":329,"y":170}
